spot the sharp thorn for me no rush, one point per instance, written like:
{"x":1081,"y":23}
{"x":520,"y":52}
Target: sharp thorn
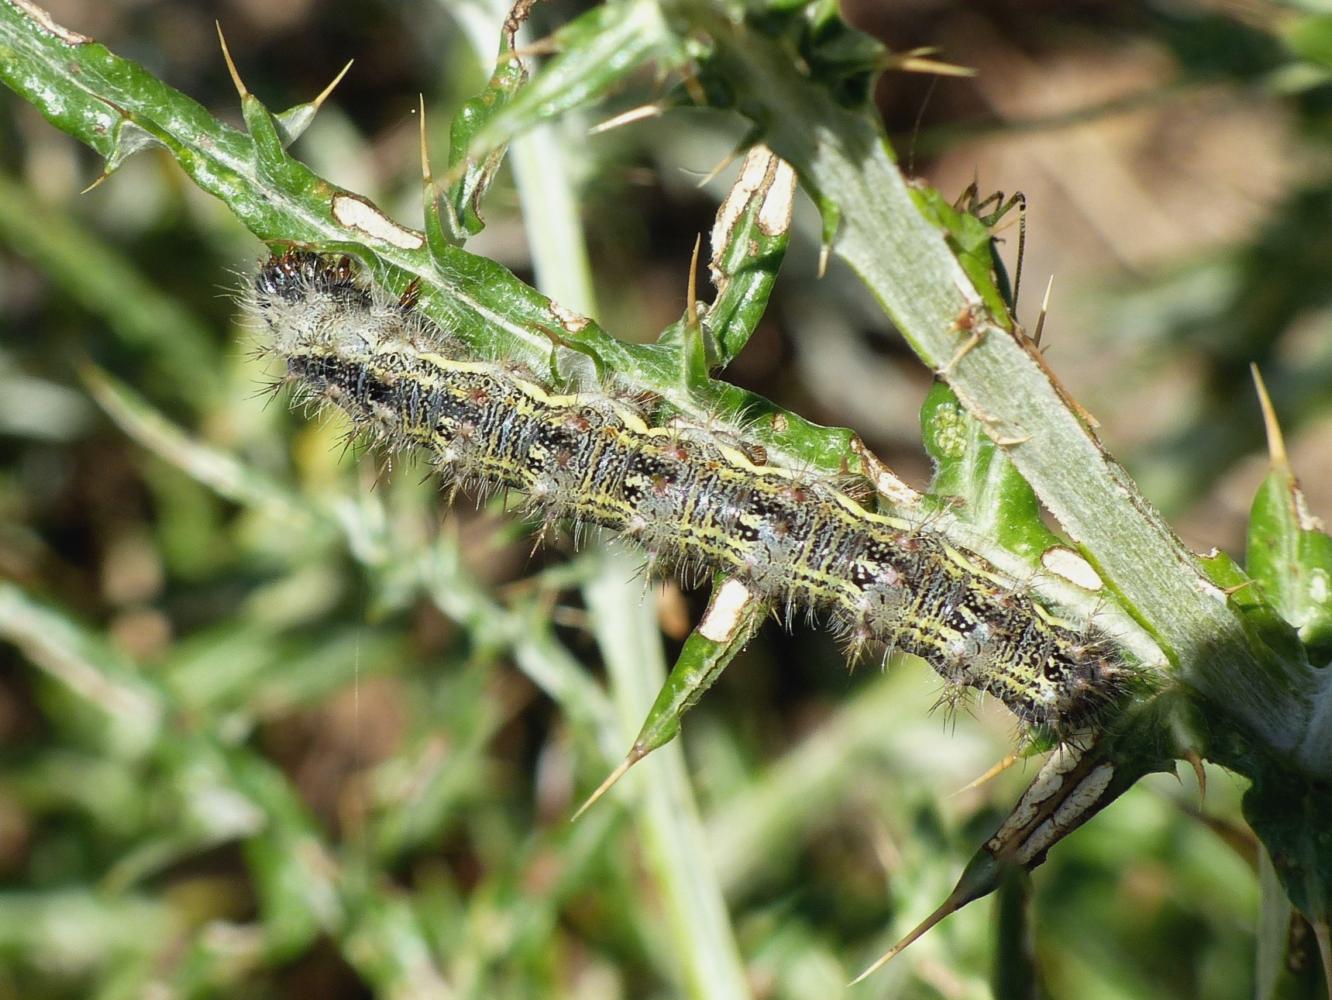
{"x":231,"y":65}
{"x":638,"y":114}
{"x":691,"y":298}
{"x":918,"y":61}
{"x":1004,"y":763}
{"x":947,"y":907}
{"x":1276,"y":442}
{"x":1196,"y":762}
{"x":633,"y":757}
{"x":324,"y":94}
{"x":1045,"y":308}
{"x":425,"y":152}
{"x":96,"y":183}
{"x":722,"y":164}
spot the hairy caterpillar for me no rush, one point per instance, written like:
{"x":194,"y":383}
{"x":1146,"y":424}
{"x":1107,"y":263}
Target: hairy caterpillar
{"x":689,"y":495}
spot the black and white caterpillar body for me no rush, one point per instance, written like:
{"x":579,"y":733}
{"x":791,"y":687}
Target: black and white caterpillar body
{"x":686,"y":494}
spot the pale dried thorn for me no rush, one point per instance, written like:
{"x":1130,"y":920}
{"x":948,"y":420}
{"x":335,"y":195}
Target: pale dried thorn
{"x":1004,"y":763}
{"x":1276,"y":442}
{"x":935,"y":68}
{"x":947,"y":907}
{"x":641,"y":113}
{"x":1087,"y":416}
{"x":1196,"y":762}
{"x":425,"y":151}
{"x":632,"y":758}
{"x":696,"y":93}
{"x":541,"y":47}
{"x":918,"y":51}
{"x":1232,"y":591}
{"x":1045,"y":309}
{"x":324,"y":94}
{"x":917,"y":61}
{"x":722,"y":164}
{"x":691,"y":297}
{"x":825,"y":251}
{"x":547,"y":527}
{"x":96,"y":183}
{"x":236,"y":80}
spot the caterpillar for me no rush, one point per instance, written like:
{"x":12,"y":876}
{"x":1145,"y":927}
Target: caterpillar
{"x":692,"y":496}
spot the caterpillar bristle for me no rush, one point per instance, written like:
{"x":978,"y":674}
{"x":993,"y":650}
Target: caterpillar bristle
{"x":696,"y":496}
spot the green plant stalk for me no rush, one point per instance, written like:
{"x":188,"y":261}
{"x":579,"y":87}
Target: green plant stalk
{"x":773,"y":814}
{"x":626,"y":626}
{"x":132,"y":710}
{"x":844,"y":161}
{"x":625,"y":623}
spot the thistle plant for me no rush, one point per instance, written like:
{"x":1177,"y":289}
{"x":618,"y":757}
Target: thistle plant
{"x":1228,"y":662}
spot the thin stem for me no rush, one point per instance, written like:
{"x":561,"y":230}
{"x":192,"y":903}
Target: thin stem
{"x":624,"y":618}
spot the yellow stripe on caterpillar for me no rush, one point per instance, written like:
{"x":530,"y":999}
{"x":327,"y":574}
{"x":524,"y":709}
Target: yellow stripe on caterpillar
{"x":683,"y":493}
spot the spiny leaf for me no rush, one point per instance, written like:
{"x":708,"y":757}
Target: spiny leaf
{"x":970,"y":467}
{"x":474,"y":172}
{"x":599,"y":50}
{"x":732,"y":618}
{"x":749,"y":240}
{"x":1289,"y":554}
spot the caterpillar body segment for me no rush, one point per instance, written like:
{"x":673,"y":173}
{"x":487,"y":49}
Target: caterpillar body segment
{"x":687,"y":495}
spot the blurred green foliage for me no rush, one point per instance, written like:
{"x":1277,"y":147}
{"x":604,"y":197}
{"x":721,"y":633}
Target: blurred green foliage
{"x":277,"y":724}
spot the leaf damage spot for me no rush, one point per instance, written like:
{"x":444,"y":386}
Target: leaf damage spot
{"x":724,"y":613}
{"x":1319,"y":590}
{"x":763,"y":176}
{"x":357,"y":213}
{"x":1067,"y":564}
{"x":47,"y":24}
{"x":1068,"y":815}
{"x":774,"y":217}
{"x":1047,"y":783}
{"x":573,"y":322}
